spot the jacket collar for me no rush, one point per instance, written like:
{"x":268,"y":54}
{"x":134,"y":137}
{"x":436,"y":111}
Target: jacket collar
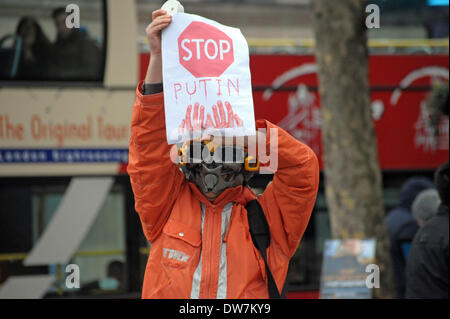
{"x":239,"y":194}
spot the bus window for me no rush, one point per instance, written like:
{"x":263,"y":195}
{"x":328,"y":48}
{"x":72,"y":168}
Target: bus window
{"x":42,"y":41}
{"x":101,"y":256}
{"x":27,"y":208}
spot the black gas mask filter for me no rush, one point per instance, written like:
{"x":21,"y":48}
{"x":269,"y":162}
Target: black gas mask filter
{"x":214,"y":168}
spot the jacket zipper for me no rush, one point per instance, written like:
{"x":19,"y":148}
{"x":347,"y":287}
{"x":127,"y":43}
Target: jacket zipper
{"x":210,"y":244}
{"x":211,"y":241}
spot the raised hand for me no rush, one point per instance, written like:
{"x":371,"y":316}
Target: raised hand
{"x":153,"y":31}
{"x":160,"y":20}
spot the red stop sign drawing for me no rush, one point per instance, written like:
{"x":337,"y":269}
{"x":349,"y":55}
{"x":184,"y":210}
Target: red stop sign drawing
{"x":204,"y":50}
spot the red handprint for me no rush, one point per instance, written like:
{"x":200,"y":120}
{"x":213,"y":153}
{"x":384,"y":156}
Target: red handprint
{"x":221,"y":119}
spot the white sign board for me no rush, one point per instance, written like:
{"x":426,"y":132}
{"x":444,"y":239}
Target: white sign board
{"x":206,"y":78}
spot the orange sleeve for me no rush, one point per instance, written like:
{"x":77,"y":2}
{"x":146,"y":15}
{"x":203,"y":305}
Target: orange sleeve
{"x":289,"y":199}
{"x":155,"y":179}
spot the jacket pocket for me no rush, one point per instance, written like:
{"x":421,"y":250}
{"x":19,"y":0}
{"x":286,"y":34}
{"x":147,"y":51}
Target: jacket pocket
{"x":181,"y":244}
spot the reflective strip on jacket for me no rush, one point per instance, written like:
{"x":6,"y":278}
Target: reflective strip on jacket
{"x":201,"y":249}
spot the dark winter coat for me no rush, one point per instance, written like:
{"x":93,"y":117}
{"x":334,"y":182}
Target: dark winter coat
{"x":402,"y":227}
{"x":76,"y":58}
{"x":427,"y":265}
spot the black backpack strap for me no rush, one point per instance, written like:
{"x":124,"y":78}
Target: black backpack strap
{"x":259,"y":230}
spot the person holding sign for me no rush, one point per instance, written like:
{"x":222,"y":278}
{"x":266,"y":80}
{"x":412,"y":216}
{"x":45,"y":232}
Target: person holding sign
{"x":194,"y":202}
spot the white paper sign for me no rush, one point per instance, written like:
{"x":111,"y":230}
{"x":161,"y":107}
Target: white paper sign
{"x":206,"y":78}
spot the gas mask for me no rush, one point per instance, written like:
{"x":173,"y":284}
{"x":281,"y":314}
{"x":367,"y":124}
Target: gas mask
{"x":215,"y":168}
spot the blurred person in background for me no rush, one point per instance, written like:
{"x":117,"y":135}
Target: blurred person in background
{"x":115,"y":276}
{"x":35,"y":48}
{"x":425,"y":206}
{"x":436,"y":22}
{"x":75,"y":55}
{"x":427,"y":266}
{"x":114,"y":279}
{"x":402,"y":227}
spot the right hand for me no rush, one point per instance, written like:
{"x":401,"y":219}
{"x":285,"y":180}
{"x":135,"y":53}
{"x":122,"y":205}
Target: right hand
{"x":160,"y":20}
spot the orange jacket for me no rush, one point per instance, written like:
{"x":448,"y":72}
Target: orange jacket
{"x":201,"y":249}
